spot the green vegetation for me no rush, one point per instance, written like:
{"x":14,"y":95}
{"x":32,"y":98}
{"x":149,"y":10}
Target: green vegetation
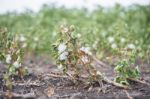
{"x":106,"y":32}
{"x":126,"y":70}
{"x":11,"y":54}
{"x":70,"y":54}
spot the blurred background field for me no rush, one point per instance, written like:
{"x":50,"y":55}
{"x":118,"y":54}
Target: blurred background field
{"x":107,"y":29}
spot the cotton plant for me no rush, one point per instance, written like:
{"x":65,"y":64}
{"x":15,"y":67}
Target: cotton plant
{"x":126,"y":70}
{"x":13,"y":59}
{"x":70,"y":54}
{"x":12,"y":55}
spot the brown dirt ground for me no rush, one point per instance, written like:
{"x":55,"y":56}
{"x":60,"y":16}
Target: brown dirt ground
{"x":37,"y":86}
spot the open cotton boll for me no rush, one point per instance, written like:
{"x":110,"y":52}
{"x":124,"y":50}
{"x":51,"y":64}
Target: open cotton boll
{"x":8,"y":58}
{"x":86,"y":50}
{"x":63,"y":56}
{"x":114,"y":45}
{"x":122,"y":40}
{"x":111,"y":39}
{"x":16,"y":64}
{"x":131,"y":46}
{"x":62,"y":47}
{"x":22,"y":38}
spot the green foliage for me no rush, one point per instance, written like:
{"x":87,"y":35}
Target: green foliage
{"x":129,"y":27}
{"x":70,"y":54}
{"x":3,"y":38}
{"x":11,"y":54}
{"x":125,"y":70}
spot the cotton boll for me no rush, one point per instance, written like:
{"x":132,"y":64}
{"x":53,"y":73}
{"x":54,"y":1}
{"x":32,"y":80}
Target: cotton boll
{"x":111,"y":39}
{"x":8,"y":58}
{"x":62,"y":47}
{"x":114,"y":46}
{"x":131,"y":46}
{"x":63,"y":56}
{"x":22,"y":38}
{"x":86,"y":50}
{"x":122,"y":40}
{"x":16,"y":64}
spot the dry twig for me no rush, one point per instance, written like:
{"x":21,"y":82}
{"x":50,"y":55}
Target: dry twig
{"x":128,"y":95}
{"x":11,"y":95}
{"x":29,"y":83}
{"x":139,"y":81}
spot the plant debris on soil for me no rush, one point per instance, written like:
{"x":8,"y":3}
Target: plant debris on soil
{"x":44,"y":81}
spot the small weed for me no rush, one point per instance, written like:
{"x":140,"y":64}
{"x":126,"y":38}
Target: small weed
{"x":125,"y":69}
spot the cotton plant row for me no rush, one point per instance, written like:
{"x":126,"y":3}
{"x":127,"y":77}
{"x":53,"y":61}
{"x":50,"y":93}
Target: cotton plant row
{"x":125,"y":68}
{"x":113,"y":39}
{"x":99,"y":22}
{"x":73,"y":57}
{"x":115,"y":42}
{"x":75,"y":60}
{"x":114,"y":45}
{"x":11,"y":55}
